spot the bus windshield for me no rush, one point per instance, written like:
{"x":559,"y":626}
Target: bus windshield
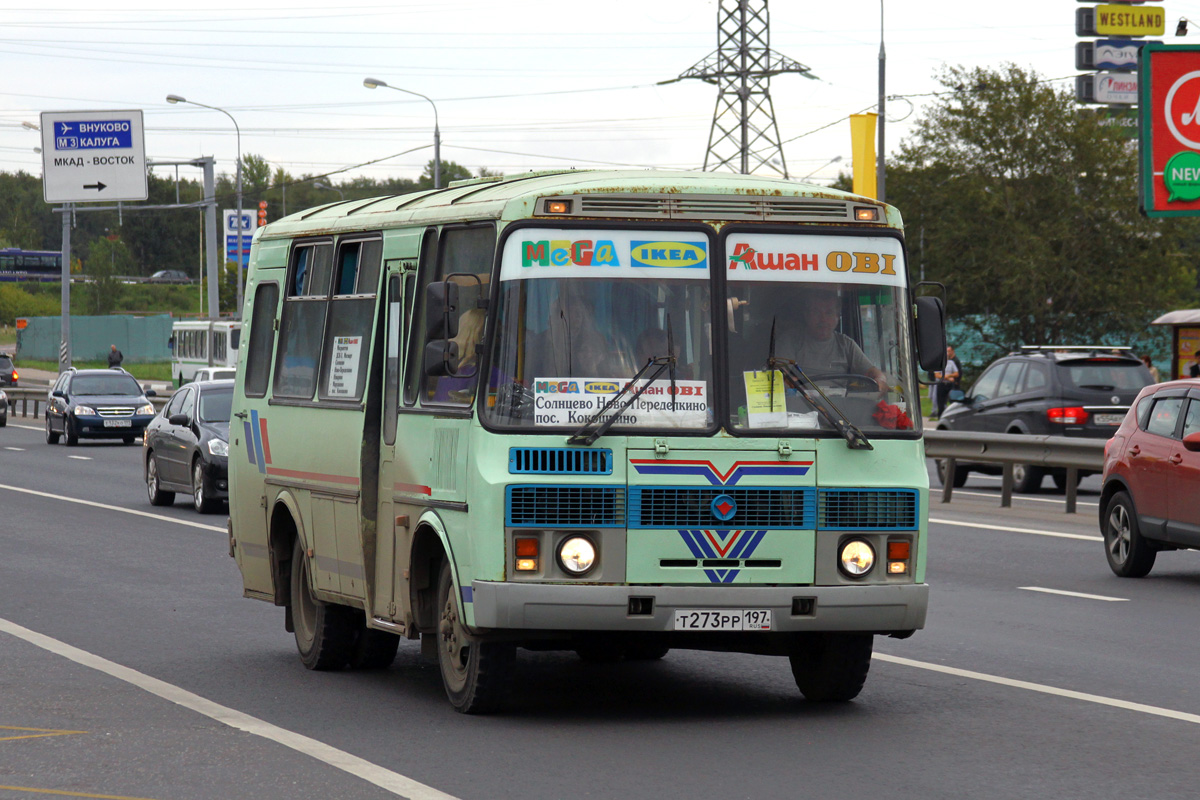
{"x":836,"y":307}
{"x":570,"y":335}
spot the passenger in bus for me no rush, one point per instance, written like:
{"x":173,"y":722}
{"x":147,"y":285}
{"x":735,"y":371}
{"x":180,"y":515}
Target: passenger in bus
{"x":652,"y":343}
{"x":575,"y":344}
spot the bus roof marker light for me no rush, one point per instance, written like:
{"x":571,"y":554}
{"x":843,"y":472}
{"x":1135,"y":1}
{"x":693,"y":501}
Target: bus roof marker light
{"x":866,"y":214}
{"x":558,"y":206}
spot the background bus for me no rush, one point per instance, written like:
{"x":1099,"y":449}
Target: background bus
{"x":202,"y":343}
{"x":17,"y":264}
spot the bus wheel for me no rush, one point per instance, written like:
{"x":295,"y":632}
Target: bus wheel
{"x":831,"y":666}
{"x":645,"y":651}
{"x":324,"y":633}
{"x":474,"y":671}
{"x":374,"y":649}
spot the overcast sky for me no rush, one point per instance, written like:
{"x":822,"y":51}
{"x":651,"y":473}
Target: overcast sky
{"x":518,"y":85}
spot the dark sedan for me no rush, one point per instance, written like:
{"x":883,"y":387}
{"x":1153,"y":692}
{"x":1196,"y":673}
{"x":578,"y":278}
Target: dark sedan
{"x":97,"y":404}
{"x":3,"y":408}
{"x":186,"y":447}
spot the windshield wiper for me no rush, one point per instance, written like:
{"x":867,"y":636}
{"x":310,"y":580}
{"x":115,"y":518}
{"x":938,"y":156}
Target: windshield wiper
{"x":796,"y":378}
{"x":585,"y":437}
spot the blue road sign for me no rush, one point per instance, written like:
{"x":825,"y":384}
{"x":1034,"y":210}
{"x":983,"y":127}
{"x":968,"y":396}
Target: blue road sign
{"x":108,"y":134}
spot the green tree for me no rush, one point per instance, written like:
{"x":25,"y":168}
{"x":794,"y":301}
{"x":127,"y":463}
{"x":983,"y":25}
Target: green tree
{"x":1027,"y":210}
{"x":108,"y":257}
{"x":256,"y":176}
{"x":450,"y":172}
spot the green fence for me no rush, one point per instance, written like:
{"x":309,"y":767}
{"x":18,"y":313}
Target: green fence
{"x":140,"y":339}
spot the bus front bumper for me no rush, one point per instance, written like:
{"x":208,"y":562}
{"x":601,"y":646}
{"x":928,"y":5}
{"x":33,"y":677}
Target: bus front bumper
{"x":575,"y":607}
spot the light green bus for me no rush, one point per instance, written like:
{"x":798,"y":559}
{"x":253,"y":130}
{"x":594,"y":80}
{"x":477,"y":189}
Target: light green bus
{"x":609,"y":412}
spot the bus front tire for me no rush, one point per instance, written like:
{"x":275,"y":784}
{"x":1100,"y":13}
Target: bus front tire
{"x":325,"y":633}
{"x":474,"y":671}
{"x":831,"y":667}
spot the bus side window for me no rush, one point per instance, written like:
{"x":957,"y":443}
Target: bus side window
{"x":262,"y":339}
{"x":302,"y":323}
{"x":347,"y":344}
{"x":416,"y":336}
{"x":470,"y":250}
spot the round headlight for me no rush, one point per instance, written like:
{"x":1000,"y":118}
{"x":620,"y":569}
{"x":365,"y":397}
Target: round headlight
{"x":577,"y":555}
{"x":857,"y":558}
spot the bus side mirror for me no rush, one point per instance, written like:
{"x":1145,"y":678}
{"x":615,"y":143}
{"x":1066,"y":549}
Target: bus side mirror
{"x":441,"y":357}
{"x":441,"y":311}
{"x":931,"y":333}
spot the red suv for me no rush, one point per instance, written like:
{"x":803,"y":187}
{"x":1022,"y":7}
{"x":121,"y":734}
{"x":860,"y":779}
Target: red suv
{"x":1151,"y":496}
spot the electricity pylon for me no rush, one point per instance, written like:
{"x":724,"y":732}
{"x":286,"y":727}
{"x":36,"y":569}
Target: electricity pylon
{"x":744,"y":135}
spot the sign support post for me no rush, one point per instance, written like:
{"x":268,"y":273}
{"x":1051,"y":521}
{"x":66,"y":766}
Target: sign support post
{"x":64,"y":348}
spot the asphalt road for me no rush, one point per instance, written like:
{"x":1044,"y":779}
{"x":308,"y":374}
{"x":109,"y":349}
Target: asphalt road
{"x":131,"y":667}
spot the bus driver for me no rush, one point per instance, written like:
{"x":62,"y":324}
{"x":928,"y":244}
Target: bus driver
{"x":821,"y":348}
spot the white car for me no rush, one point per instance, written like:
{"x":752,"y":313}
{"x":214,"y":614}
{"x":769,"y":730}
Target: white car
{"x":213,"y":374}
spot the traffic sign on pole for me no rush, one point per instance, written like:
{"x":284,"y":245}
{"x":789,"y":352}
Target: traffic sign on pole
{"x":93,"y":156}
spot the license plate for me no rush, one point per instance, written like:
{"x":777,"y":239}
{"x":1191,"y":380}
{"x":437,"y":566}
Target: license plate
{"x":1109,"y":419}
{"x":740,"y":619}
{"x":117,"y":423}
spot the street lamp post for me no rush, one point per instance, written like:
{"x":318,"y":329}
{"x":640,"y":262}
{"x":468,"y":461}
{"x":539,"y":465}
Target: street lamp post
{"x":320,"y":185}
{"x":371,"y":83}
{"x":174,"y":98}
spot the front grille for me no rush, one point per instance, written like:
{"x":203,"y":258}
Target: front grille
{"x":566,"y":506}
{"x":110,"y":411}
{"x":686,"y":507}
{"x":867,"y":509}
{"x":559,"y":460}
{"x":707,"y":207}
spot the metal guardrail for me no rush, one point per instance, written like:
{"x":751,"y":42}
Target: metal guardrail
{"x":1066,"y":452}
{"x":35,"y":397}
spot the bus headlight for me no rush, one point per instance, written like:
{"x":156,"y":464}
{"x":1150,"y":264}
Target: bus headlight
{"x":577,"y":555}
{"x":857,"y":557}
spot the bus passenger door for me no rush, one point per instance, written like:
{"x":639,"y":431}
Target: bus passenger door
{"x":393,"y":530}
{"x":249,"y":443}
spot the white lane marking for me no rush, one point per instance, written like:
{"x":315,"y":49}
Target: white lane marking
{"x":1057,"y":501}
{"x":1055,"y":534}
{"x":393,"y":782}
{"x":81,"y":458}
{"x":18,"y":449}
{"x":113,"y":508}
{"x":1075,"y":594}
{"x":28,"y":427}
{"x":1141,"y":708}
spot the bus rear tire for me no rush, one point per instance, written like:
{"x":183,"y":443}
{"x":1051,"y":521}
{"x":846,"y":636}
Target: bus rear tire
{"x":374,"y":649}
{"x":325,"y":633}
{"x":831,"y":667}
{"x":475,"y":672}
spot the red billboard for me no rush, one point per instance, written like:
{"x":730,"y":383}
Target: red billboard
{"x":1169,"y":98}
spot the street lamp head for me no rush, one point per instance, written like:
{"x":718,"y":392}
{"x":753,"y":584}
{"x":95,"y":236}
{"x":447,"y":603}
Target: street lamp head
{"x":174,"y":98}
{"x":1181,"y":28}
{"x":30,"y":126}
{"x":371,"y":83}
